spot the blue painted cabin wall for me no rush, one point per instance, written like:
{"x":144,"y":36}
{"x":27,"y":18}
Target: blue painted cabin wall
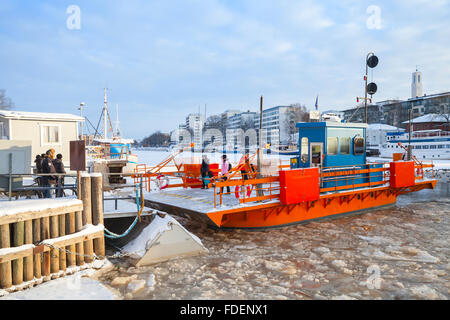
{"x":320,"y":132}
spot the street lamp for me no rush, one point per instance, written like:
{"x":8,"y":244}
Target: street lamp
{"x":82,"y":104}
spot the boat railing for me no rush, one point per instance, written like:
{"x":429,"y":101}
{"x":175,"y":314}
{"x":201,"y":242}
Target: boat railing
{"x":103,"y":151}
{"x":332,"y":180}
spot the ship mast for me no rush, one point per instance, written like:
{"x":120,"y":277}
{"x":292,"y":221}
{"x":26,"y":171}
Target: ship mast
{"x":117,"y":132}
{"x":105,"y":115}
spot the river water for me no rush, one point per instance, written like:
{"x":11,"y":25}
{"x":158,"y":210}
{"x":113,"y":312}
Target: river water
{"x":399,"y":252}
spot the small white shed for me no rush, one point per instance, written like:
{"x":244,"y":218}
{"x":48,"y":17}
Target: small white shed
{"x":44,"y":130}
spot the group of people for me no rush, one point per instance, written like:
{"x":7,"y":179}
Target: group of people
{"x":207,"y":174}
{"x":47,"y":163}
{"x":225,"y":167}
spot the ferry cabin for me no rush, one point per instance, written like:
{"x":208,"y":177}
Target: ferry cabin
{"x":330,"y":144}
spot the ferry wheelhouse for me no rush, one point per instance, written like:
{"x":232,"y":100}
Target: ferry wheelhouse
{"x":329,"y":177}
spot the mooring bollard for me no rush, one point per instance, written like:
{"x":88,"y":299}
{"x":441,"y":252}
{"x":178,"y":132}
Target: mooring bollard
{"x":87,"y":214}
{"x":5,"y":267}
{"x":97,"y":210}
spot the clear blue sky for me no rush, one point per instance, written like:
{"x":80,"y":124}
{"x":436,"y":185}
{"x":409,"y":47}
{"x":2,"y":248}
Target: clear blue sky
{"x":164,"y":59}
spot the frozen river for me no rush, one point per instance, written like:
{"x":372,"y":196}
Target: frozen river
{"x":399,"y":252}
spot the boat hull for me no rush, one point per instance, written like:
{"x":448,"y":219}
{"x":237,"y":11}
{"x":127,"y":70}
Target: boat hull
{"x":328,"y":206}
{"x":285,"y":215}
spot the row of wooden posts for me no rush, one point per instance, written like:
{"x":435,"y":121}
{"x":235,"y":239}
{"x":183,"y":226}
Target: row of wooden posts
{"x":25,"y":230}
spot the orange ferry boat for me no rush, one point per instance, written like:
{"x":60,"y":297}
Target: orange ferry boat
{"x":329,"y":177}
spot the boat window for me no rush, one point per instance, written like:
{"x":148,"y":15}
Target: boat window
{"x":304,"y":150}
{"x":358,"y":146}
{"x":316,"y":154}
{"x":426,"y":147}
{"x":332,"y":146}
{"x":345,"y":146}
{"x":433,"y":147}
{"x":418,"y":147}
{"x":441,"y":146}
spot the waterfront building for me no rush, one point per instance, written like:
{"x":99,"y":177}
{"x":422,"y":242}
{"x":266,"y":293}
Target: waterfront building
{"x":44,"y":130}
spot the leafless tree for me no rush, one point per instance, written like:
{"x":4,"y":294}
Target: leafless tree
{"x":5,"y":102}
{"x":296,"y":113}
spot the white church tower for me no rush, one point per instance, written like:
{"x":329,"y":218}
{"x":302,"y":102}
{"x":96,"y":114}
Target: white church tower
{"x":416,"y":85}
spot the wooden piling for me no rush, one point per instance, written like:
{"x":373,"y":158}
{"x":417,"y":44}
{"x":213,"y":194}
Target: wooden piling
{"x":97,"y":211}
{"x":86,"y":198}
{"x":79,"y":246}
{"x":36,"y":239}
{"x":54,"y":253}
{"x":62,"y":232}
{"x":87,"y":214}
{"x":45,"y":234}
{"x":28,"y":274}
{"x":5,"y":267}
{"x":70,"y":229}
{"x":18,"y":240}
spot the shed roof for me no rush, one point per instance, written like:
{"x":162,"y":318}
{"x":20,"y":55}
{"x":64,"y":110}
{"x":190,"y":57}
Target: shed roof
{"x":330,"y":124}
{"x":26,"y":115}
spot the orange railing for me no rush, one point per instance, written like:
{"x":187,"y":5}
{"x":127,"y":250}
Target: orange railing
{"x":332,"y":180}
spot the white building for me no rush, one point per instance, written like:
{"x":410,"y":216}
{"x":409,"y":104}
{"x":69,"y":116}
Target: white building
{"x":196,"y":122}
{"x":278,"y":124}
{"x":44,"y":130}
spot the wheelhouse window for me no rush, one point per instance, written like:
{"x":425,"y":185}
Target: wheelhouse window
{"x":332,"y":146}
{"x":50,"y":134}
{"x":358,"y":146}
{"x":345,"y":146}
{"x":304,"y":150}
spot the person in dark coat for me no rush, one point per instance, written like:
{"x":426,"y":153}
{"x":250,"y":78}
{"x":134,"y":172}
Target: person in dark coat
{"x":48,"y":167}
{"x":38,"y":162}
{"x":204,"y":171}
{"x":59,"y":167}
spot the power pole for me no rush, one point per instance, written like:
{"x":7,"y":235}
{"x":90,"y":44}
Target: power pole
{"x":260,"y":151}
{"x":410,"y":134}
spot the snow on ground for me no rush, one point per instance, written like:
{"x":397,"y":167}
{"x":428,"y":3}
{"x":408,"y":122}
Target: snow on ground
{"x":74,"y":287}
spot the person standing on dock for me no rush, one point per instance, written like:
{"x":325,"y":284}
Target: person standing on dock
{"x":225,"y":168}
{"x":59,"y":167}
{"x":48,"y":167}
{"x":204,"y":171}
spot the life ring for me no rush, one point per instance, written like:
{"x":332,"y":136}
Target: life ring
{"x":419,"y":171}
{"x":162,"y":181}
{"x":236,"y":191}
